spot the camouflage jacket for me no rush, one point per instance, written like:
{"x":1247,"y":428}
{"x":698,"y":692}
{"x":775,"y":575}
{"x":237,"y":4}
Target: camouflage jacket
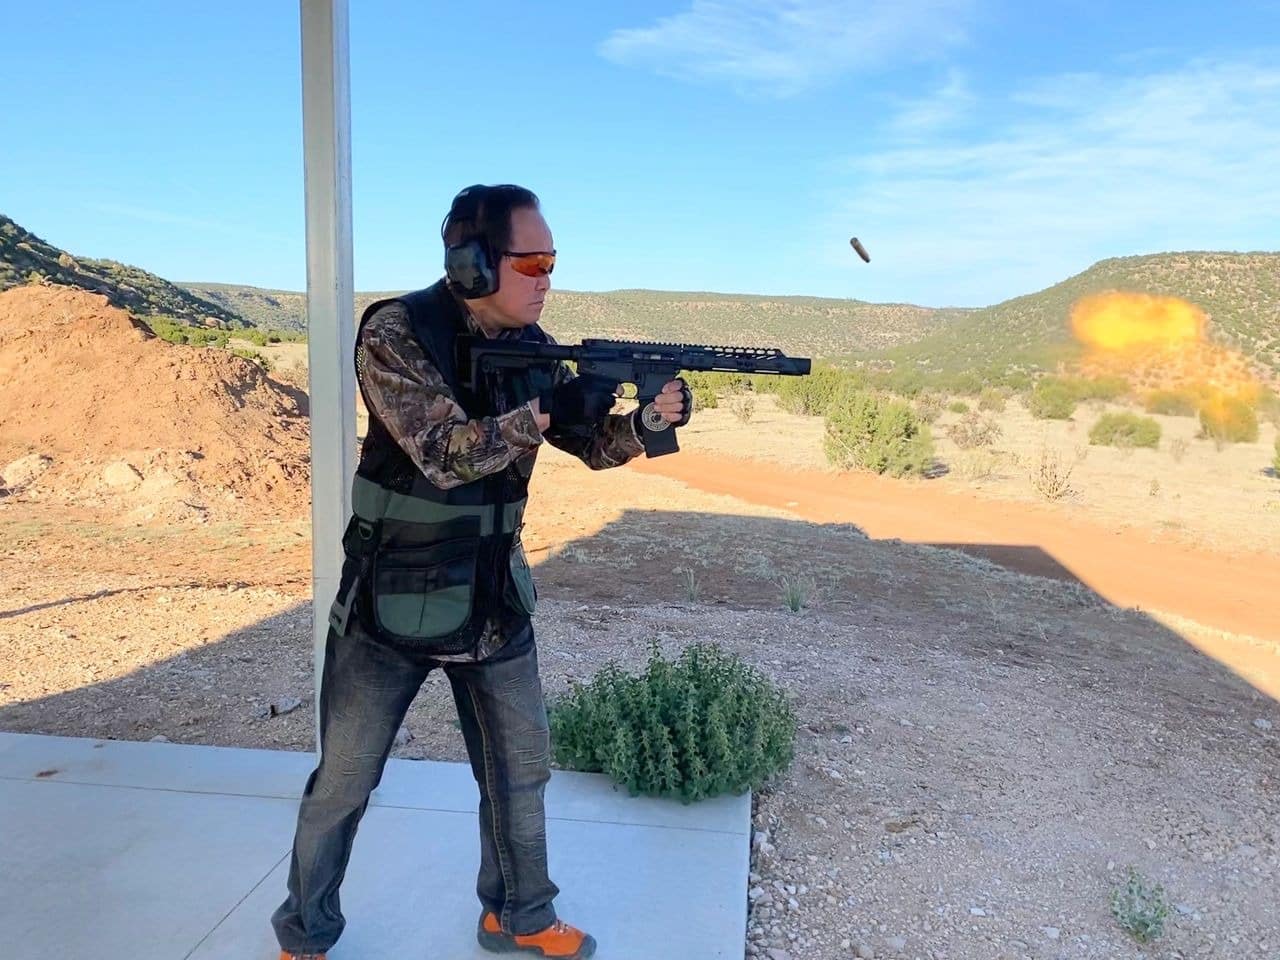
{"x":408,"y":395}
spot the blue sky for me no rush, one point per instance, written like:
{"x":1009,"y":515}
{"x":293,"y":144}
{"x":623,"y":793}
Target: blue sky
{"x":981,"y":149}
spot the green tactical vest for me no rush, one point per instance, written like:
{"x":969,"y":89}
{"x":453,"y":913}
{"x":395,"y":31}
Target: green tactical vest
{"x":426,"y":567}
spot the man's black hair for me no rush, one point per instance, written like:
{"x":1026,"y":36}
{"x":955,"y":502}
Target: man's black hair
{"x":484,"y":213}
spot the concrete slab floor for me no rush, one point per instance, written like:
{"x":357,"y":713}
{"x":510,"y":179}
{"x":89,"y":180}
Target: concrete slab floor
{"x":167,"y":851}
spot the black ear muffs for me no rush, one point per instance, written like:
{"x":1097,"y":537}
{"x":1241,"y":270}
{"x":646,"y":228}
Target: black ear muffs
{"x":469,"y":265}
{"x":470,"y":270}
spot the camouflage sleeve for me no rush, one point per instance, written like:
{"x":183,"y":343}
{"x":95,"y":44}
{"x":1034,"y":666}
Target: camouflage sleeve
{"x":609,"y":443}
{"x":406,"y":392}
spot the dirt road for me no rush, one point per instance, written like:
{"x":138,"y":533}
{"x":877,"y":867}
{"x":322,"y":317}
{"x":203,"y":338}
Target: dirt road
{"x":1232,"y":592}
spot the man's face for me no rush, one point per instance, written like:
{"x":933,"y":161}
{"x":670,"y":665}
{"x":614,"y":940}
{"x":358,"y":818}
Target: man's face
{"x":518,"y":302}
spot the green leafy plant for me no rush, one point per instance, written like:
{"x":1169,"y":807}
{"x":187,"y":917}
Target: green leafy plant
{"x":1051,"y":400}
{"x":1139,"y":907}
{"x":1125,"y":430}
{"x":702,"y":725}
{"x":876,"y":433}
{"x":958,"y":406}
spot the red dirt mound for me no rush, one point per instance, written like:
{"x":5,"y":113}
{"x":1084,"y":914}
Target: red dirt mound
{"x":110,"y":414}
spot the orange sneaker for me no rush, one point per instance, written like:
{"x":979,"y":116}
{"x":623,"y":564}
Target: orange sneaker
{"x":559,"y":940}
{"x":286,"y":955}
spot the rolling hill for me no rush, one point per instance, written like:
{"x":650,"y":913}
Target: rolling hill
{"x":24,"y":257}
{"x":1239,"y":292}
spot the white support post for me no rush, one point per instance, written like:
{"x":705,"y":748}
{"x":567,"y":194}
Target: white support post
{"x":326,"y":133}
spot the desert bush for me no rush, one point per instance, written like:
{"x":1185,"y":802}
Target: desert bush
{"x":743,"y":406}
{"x":1275,"y":463}
{"x":958,"y":406}
{"x":876,"y":433}
{"x":1125,"y":430}
{"x":1228,"y":419}
{"x":692,"y":586}
{"x":974,"y":430}
{"x":1171,"y":403}
{"x":796,"y":593}
{"x":812,"y":395}
{"x":966,"y":382}
{"x":705,"y":398}
{"x":1051,"y":399}
{"x":993,"y":399}
{"x":1050,"y":476}
{"x":904,"y":382}
{"x":929,"y":406}
{"x":1097,"y":388}
{"x":1139,"y":907}
{"x":703,"y":725}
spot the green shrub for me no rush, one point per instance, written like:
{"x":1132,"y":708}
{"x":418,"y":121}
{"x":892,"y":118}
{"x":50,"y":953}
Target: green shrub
{"x":1097,"y":388}
{"x":702,"y":725}
{"x":1229,"y":419}
{"x":958,"y":406}
{"x":876,"y":433}
{"x":1275,"y":464}
{"x":966,"y":382}
{"x":1139,"y":907}
{"x":721,"y":383}
{"x":904,"y":381}
{"x":812,"y":395}
{"x":704,"y":398}
{"x":1171,"y":403}
{"x":1052,"y":400}
{"x":993,"y":399}
{"x":1125,"y":430}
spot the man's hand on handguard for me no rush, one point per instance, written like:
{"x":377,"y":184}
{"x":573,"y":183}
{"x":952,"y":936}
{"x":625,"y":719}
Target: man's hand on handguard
{"x":675,"y":402}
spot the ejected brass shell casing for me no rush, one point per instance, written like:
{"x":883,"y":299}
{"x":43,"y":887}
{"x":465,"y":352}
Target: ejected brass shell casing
{"x":862,"y":251}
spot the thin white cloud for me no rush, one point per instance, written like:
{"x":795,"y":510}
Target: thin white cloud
{"x":1082,"y":167}
{"x":951,"y":102}
{"x":782,"y":47}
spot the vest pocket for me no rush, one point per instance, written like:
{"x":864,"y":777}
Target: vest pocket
{"x":424,"y":593}
{"x":524,"y":593}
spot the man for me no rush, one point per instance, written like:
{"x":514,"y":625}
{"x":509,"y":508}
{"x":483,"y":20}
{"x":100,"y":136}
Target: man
{"x":435,"y":575}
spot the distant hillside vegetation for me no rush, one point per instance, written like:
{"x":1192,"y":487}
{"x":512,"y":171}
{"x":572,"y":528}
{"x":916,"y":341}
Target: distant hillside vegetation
{"x":1240,"y":293}
{"x":808,"y":326}
{"x":24,"y":257}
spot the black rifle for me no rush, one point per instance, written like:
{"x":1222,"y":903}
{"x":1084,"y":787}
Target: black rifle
{"x":645,"y":365}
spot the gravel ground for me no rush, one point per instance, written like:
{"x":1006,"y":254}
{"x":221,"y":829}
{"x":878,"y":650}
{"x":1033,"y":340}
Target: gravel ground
{"x":980,"y":755}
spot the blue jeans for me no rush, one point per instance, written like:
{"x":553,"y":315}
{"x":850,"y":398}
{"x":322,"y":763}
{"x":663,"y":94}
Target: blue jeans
{"x":366,"y":689}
